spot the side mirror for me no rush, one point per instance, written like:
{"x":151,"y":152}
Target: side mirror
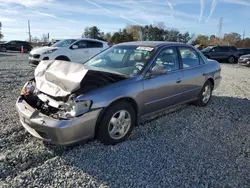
{"x":158,"y":70}
{"x":74,"y":47}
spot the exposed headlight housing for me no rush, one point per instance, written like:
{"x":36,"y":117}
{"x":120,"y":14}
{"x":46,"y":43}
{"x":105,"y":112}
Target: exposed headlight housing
{"x":49,"y":51}
{"x":75,"y":109}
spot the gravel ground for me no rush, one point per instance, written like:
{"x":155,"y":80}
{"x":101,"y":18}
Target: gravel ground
{"x":184,"y":147}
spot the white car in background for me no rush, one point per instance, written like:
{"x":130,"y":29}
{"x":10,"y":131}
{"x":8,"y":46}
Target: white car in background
{"x":75,"y":50}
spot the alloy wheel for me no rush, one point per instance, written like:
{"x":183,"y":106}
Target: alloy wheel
{"x":119,"y":124}
{"x":206,"y":94}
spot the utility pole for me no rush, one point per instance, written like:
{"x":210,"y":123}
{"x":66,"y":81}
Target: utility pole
{"x":0,"y":29}
{"x":220,"y":28}
{"x":244,"y":38}
{"x":29,"y":31}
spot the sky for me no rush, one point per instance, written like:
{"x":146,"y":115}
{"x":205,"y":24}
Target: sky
{"x":68,"y":18}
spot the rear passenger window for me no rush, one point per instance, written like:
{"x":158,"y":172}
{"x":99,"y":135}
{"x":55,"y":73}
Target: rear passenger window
{"x":94,"y":44}
{"x":225,"y":49}
{"x":189,"y":57}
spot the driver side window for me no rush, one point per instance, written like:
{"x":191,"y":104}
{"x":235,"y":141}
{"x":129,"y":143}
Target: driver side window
{"x":81,"y":44}
{"x":167,"y":58}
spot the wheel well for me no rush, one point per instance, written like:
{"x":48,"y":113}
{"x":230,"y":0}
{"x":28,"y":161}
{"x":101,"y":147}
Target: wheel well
{"x":212,"y":81}
{"x":62,"y":57}
{"x":127,"y":99}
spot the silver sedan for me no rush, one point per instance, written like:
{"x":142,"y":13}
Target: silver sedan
{"x":106,"y":96}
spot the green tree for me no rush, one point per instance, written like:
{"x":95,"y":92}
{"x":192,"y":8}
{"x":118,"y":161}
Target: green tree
{"x":201,"y":39}
{"x":92,"y":32}
{"x":121,"y":36}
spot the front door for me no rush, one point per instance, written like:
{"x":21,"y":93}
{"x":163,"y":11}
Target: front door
{"x":161,"y":91}
{"x":81,"y":53}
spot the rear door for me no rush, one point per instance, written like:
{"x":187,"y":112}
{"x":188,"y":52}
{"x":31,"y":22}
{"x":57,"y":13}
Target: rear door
{"x":225,"y":52}
{"x":161,"y":91}
{"x":94,"y":47}
{"x":194,"y":72}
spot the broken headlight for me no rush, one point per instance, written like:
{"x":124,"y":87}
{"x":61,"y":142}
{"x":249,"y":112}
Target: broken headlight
{"x":28,"y":88}
{"x":75,"y":109}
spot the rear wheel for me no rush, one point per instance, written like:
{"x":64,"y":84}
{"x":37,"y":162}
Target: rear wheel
{"x":205,"y":94}
{"x":231,"y":59}
{"x":117,"y":123}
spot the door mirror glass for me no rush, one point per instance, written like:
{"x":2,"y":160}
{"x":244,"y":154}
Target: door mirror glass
{"x":158,"y":70}
{"x":74,"y":47}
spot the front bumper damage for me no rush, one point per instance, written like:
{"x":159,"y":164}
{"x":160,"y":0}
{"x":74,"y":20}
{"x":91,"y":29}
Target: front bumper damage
{"x":61,"y":132}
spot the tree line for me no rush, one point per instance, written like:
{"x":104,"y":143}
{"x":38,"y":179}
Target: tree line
{"x":156,"y":33}
{"x":137,"y":33}
{"x":159,"y":33}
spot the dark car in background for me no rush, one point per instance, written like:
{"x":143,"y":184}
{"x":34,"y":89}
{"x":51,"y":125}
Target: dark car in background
{"x":228,"y":53}
{"x":243,"y":51}
{"x":15,"y":45}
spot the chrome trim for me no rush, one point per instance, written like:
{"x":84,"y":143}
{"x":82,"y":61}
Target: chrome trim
{"x":163,"y":99}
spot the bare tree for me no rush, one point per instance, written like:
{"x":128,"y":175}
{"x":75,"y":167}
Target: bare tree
{"x":44,"y":38}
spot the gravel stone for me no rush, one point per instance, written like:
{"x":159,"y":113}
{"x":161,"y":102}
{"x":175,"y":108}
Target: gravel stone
{"x":186,"y":146}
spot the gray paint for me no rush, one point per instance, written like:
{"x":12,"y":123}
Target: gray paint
{"x":151,"y":94}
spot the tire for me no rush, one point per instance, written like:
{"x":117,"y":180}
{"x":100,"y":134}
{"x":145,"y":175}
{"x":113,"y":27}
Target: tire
{"x":231,"y":59}
{"x":25,"y":50}
{"x":3,"y":49}
{"x":62,"y":58}
{"x":201,"y":101}
{"x":108,"y":132}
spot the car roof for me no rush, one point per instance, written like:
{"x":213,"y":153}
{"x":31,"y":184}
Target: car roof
{"x":150,"y":43}
{"x":91,"y":39}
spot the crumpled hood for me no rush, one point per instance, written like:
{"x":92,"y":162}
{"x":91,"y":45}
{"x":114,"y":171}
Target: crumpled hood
{"x":59,"y":78}
{"x":41,"y":50}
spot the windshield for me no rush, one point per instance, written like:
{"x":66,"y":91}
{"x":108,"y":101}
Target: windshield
{"x":129,"y":60}
{"x":207,"y":49}
{"x":64,"y":43}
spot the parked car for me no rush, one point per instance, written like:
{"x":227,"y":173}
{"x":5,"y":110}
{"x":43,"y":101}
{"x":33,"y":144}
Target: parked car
{"x":244,"y":60}
{"x":106,"y":96}
{"x":243,"y":51}
{"x":229,"y":53}
{"x":76,"y":50}
{"x":15,"y":45}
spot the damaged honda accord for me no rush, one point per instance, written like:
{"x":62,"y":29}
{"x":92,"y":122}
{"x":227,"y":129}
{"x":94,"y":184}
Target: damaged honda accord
{"x":106,"y":96}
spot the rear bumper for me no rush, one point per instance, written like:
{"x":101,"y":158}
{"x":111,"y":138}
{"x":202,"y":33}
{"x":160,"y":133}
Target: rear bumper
{"x":61,"y":132}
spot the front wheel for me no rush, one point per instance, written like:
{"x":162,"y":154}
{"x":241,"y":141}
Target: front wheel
{"x":117,"y":123}
{"x":231,"y":59}
{"x":3,"y":49}
{"x":205,"y":94}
